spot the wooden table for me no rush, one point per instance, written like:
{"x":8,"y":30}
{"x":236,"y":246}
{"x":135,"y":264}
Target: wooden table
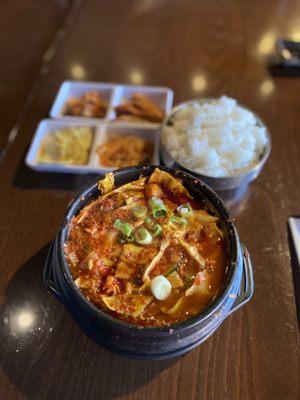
{"x":198,"y":49}
{"x":28,"y":30}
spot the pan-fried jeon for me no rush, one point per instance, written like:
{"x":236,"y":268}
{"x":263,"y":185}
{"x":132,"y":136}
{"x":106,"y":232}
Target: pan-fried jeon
{"x":146,"y":252}
{"x":139,"y":109}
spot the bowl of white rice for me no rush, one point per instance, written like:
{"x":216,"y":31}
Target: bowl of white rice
{"x":223,"y":143}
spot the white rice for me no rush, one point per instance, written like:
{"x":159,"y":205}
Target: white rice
{"x":217,"y":139}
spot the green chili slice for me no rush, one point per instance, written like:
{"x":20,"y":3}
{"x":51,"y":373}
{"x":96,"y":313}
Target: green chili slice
{"x":158,"y":230}
{"x":157,"y":207}
{"x":123,"y":227}
{"x":142,"y":236}
{"x":139,"y":211}
{"x":185,"y":210}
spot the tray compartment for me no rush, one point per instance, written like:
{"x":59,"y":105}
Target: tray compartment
{"x":47,"y":126}
{"x":162,"y":96}
{"x":76,"y":89}
{"x":109,"y":131}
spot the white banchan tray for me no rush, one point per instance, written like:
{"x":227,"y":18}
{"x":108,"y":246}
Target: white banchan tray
{"x":114,"y":94}
{"x":103,"y":128}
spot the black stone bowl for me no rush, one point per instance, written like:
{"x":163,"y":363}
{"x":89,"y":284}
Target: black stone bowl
{"x":151,"y":342}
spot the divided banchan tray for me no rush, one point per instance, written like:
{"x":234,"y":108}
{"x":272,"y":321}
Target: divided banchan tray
{"x":101,"y":132}
{"x":115,"y":94}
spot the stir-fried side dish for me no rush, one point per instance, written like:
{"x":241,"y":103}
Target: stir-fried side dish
{"x":139,"y":108}
{"x":125,"y":151}
{"x":146,"y":252}
{"x":90,"y":105}
{"x":67,"y":146}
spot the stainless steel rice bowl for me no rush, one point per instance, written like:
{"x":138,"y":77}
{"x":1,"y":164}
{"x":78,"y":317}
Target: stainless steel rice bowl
{"x":227,"y":186}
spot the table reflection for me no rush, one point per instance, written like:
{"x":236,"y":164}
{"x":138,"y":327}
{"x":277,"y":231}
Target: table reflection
{"x":23,"y":320}
{"x":136,"y":77}
{"x":266,"y":43}
{"x":199,"y":83}
{"x":77,"y":71}
{"x":267,"y":87}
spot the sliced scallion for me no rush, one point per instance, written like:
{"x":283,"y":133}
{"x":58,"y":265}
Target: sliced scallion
{"x":157,"y":207}
{"x":185,"y":210}
{"x":123,"y":227}
{"x":179,"y":221}
{"x":130,"y":238}
{"x":158,"y":230}
{"x":142,"y":236}
{"x":150,"y":223}
{"x":139,"y":212}
{"x":148,"y":220}
{"x":160,"y":287}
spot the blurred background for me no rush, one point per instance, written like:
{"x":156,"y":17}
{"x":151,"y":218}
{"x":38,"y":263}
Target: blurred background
{"x":205,"y":49}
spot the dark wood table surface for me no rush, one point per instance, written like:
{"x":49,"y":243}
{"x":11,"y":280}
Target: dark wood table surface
{"x":198,"y":48}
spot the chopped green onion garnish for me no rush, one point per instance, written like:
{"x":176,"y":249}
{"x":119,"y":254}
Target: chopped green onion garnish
{"x":139,"y":211}
{"x":160,"y":287}
{"x":129,"y":201}
{"x":123,"y":227}
{"x":157,"y":207}
{"x":180,"y":221}
{"x":130,"y":238}
{"x":150,"y":223}
{"x":185,"y":210}
{"x":158,"y":230}
{"x":142,"y":236}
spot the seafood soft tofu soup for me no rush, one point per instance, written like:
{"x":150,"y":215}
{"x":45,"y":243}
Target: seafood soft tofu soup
{"x":147,"y":252}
